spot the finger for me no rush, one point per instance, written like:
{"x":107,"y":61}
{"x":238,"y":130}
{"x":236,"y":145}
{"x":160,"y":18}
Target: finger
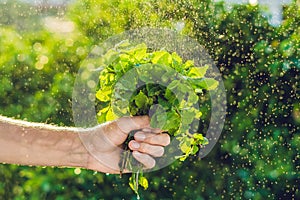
{"x":117,"y":131}
{"x":127,"y":124}
{"x":153,"y":150}
{"x":151,"y":138}
{"x":152,"y":130}
{"x":145,"y":159}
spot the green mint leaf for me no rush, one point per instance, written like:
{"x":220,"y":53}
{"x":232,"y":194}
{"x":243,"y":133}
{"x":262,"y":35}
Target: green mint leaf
{"x":197,"y":72}
{"x":195,"y":149}
{"x":141,"y":100}
{"x":104,"y":94}
{"x":143,"y":182}
{"x":159,"y":118}
{"x":207,"y":83}
{"x":161,"y":57}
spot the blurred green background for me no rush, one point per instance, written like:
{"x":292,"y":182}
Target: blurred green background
{"x":257,"y":157}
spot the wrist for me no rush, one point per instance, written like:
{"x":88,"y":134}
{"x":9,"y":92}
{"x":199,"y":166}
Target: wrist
{"x":90,"y":151}
{"x":96,"y":165}
{"x":78,"y":156}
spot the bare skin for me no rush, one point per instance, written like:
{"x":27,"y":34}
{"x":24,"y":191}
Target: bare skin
{"x":97,"y":148}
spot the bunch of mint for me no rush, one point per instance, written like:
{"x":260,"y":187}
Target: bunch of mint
{"x":136,"y":80}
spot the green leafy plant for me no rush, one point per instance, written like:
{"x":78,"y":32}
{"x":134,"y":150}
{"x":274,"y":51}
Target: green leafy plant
{"x":137,"y":81}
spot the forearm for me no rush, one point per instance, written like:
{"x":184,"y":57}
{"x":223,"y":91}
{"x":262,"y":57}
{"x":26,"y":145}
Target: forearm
{"x":39,"y":144}
{"x":46,"y":145}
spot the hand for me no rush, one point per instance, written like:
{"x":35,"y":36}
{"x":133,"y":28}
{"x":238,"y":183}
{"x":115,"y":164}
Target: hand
{"x":103,"y":143}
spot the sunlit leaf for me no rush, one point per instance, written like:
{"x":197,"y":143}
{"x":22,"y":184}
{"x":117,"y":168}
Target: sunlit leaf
{"x":143,"y":182}
{"x":197,"y":72}
{"x":141,"y":100}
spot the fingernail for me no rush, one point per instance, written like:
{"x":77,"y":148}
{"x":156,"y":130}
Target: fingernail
{"x":140,"y":136}
{"x":135,"y":145}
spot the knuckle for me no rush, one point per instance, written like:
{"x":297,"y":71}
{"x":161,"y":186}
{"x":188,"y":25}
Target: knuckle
{"x":151,"y":138}
{"x":140,"y":136}
{"x":143,"y":148}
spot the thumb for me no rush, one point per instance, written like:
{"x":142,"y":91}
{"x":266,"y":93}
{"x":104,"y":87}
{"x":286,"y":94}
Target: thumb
{"x":118,"y":130}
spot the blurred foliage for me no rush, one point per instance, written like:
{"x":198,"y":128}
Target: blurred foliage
{"x":258,"y":153}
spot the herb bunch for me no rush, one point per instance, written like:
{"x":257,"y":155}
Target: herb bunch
{"x":137,"y":81}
